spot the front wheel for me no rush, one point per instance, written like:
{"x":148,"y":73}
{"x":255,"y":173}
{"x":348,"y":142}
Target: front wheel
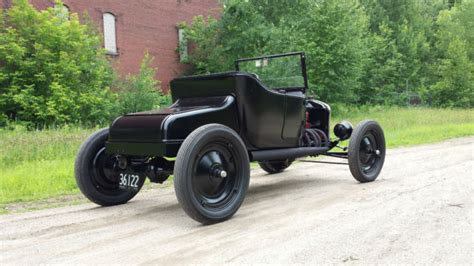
{"x":367,"y":151}
{"x":211,"y":173}
{"x":97,"y":172}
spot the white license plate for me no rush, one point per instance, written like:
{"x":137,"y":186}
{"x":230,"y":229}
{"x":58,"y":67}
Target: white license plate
{"x":129,"y":181}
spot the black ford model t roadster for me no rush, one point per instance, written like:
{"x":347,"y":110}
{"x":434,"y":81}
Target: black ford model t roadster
{"x":216,"y":126}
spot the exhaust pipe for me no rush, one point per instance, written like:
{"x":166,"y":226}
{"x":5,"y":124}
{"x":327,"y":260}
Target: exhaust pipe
{"x":280,"y":154}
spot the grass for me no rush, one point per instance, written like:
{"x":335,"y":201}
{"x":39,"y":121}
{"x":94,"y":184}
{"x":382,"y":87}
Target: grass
{"x":411,"y":126}
{"x":39,"y":164}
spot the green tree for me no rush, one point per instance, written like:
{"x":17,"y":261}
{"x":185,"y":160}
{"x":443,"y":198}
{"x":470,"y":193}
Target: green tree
{"x":400,"y":50}
{"x":52,"y":69}
{"x":333,"y":34}
{"x":454,"y":67}
{"x":142,"y":91}
{"x":382,"y":72}
{"x":240,"y":32}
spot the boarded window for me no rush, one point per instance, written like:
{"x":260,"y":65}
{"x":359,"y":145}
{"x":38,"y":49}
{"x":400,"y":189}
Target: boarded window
{"x":110,"y":41}
{"x":182,"y":45}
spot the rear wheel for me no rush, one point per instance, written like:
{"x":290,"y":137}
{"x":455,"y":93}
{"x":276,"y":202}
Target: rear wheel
{"x":97,"y":173}
{"x":211,"y":173}
{"x":367,"y":151}
{"x":273,"y":167}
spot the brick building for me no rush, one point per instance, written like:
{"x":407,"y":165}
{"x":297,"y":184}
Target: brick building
{"x":131,"y":27}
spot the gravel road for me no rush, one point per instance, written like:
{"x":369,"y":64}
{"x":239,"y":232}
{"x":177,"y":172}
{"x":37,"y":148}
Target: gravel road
{"x":418,"y":211}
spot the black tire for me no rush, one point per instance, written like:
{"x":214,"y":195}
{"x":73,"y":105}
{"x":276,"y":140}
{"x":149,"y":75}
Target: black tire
{"x":367,"y":151}
{"x":273,"y":167}
{"x":204,"y":192}
{"x":95,"y":174}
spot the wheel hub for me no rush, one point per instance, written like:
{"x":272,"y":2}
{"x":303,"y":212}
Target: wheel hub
{"x":219,"y":173}
{"x":105,"y":170}
{"x":368,"y":151}
{"x":214,"y":175}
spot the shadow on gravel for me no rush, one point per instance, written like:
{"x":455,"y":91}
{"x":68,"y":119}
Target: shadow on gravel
{"x":273,"y":188}
{"x":292,"y":183}
{"x":266,"y":188}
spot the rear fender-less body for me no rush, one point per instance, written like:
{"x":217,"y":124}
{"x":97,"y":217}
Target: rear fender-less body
{"x":264,"y":119}
{"x":161,"y":132}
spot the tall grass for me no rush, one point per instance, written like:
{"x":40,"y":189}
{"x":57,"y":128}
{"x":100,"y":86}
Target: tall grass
{"x":39,"y":164}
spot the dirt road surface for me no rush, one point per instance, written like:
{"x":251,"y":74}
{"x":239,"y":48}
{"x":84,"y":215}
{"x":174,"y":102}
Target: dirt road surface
{"x":418,"y":211}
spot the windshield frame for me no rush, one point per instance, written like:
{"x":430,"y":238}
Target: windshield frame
{"x":303,"y":67}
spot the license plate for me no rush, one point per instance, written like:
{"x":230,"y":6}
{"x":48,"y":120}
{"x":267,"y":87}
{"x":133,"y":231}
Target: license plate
{"x":129,"y":181}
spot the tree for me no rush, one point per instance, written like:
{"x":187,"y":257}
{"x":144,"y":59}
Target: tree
{"x":400,"y":47}
{"x":240,"y":32}
{"x":140,"y":92}
{"x":454,"y":67}
{"x":331,"y":32}
{"x":52,"y":69}
{"x":334,"y":35}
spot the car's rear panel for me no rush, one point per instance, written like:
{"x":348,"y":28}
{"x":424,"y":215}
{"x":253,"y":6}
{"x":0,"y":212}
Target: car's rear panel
{"x":161,"y":132}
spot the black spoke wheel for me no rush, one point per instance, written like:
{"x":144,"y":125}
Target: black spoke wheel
{"x":97,"y":173}
{"x":211,"y":173}
{"x":273,"y":167}
{"x":367,"y":151}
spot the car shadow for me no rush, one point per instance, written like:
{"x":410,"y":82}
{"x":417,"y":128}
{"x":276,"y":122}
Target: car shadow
{"x":258,"y":191}
{"x":262,"y":188}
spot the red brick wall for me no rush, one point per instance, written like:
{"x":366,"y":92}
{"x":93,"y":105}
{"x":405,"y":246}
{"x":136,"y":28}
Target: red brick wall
{"x":143,"y":25}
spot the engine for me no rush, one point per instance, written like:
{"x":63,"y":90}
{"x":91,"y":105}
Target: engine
{"x":316,"y":132}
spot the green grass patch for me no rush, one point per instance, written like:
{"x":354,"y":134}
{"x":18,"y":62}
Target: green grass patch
{"x":39,"y":164}
{"x":411,"y":126}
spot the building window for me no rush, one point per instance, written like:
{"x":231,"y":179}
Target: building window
{"x":182,"y":45}
{"x":110,"y":40}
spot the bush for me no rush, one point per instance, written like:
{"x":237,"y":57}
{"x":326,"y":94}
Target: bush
{"x":52,"y":69}
{"x":142,"y":91}
{"x":3,"y":120}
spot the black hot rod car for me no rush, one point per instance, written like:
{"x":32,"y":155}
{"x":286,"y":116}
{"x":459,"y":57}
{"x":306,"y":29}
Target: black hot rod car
{"x":216,"y":126}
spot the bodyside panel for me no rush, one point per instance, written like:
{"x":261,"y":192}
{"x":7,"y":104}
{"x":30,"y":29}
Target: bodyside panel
{"x":261,"y":111}
{"x":294,"y":117}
